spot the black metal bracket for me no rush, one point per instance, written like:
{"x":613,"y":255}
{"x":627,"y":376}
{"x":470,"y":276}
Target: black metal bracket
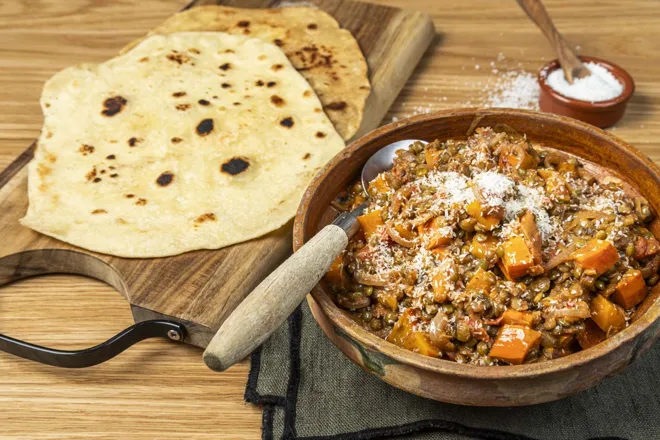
{"x":98,"y":354}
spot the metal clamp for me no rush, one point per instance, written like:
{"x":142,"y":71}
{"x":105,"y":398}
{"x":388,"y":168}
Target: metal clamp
{"x":98,"y":354}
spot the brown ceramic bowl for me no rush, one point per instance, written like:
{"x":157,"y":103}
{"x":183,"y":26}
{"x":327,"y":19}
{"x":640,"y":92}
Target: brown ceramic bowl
{"x":469,"y":384}
{"x":601,"y":114}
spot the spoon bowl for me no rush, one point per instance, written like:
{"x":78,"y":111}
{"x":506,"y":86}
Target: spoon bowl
{"x":383,"y":159}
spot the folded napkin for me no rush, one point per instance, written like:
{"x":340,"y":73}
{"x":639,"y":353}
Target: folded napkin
{"x":310,"y":390}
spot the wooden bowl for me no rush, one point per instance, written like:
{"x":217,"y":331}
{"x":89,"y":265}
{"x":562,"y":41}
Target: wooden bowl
{"x":468,"y":384}
{"x":601,"y":114}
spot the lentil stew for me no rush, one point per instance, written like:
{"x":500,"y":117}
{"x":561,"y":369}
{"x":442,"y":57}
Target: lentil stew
{"x":489,"y":250}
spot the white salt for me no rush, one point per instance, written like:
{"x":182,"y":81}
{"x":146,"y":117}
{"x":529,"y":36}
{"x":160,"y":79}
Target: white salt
{"x":601,"y":85}
{"x":514,"y":89}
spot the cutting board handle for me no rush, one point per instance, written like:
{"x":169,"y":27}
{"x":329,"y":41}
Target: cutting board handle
{"x":26,"y":264}
{"x":274,"y":299}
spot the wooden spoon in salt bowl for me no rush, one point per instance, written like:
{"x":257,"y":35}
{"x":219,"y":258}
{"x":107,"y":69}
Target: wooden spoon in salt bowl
{"x":570,"y":63}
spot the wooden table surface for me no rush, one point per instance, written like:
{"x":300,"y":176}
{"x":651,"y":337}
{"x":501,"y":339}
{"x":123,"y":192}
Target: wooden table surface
{"x":159,"y":389}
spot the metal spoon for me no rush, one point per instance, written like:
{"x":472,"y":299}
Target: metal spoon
{"x":277,"y":296}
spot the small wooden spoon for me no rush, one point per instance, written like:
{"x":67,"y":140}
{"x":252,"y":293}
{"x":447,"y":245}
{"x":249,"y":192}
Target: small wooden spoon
{"x":570,"y":63}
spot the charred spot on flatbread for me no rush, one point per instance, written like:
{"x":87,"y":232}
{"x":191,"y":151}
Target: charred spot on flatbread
{"x":177,"y":57}
{"x":97,"y":180}
{"x":103,"y":171}
{"x":111,"y":157}
{"x":141,"y":202}
{"x":165,"y":178}
{"x":243,"y":23}
{"x":193,"y":50}
{"x":89,"y":176}
{"x":336,"y":106}
{"x":179,"y":94}
{"x":205,"y":127}
{"x":114,"y":175}
{"x":259,"y":83}
{"x":208,"y":217}
{"x":203,"y":102}
{"x":225,"y":66}
{"x":276,"y":67}
{"x":143,"y":59}
{"x":307,"y":93}
{"x":129,"y":196}
{"x":235,"y":165}
{"x":86,"y":149}
{"x":225,"y":85}
{"x":320,"y":134}
{"x":307,"y":156}
{"x":113,"y":105}
{"x":134,"y":141}
{"x":271,"y":84}
{"x":182,"y":107}
{"x":312,"y":26}
{"x":278,"y":42}
{"x":176,"y":140}
{"x":99,"y":211}
{"x":277,"y":101}
{"x":287,"y":122}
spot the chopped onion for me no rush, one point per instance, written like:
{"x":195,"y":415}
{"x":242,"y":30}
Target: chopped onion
{"x":369,"y":279}
{"x":561,"y":257}
{"x":397,"y":238}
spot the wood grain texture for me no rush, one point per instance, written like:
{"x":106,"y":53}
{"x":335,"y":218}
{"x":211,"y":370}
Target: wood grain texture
{"x":135,"y":395}
{"x":200,"y":289}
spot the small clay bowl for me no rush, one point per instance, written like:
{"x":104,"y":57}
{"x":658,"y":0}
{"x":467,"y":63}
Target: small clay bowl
{"x":447,"y":381}
{"x":601,"y":114}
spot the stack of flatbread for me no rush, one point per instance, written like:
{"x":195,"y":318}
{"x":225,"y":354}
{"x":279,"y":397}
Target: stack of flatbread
{"x":195,"y":140}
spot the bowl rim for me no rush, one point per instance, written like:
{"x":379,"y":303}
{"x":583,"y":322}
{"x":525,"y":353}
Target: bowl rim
{"x":586,"y":106}
{"x":509,"y":372}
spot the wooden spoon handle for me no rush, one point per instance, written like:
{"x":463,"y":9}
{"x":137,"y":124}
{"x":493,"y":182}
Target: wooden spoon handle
{"x":569,"y":61}
{"x":272,"y":301}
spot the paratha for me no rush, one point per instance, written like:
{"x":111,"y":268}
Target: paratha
{"x":188,"y":141}
{"x":326,"y":55}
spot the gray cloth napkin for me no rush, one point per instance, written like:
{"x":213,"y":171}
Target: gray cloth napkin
{"x":310,"y":390}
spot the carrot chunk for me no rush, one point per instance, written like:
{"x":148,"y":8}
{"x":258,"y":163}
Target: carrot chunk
{"x":517,"y":258}
{"x":488,"y":222}
{"x":480,"y":248}
{"x":630,"y":290}
{"x":607,"y":315}
{"x":440,"y":288}
{"x":431,"y":156}
{"x":388,"y":299}
{"x":371,"y":222}
{"x":335,"y":274}
{"x":481,"y":280}
{"x":513,"y":343}
{"x":438,"y":234}
{"x":516,"y":156}
{"x":514,"y":317}
{"x":567,"y":167}
{"x":591,"y":335}
{"x":379,"y":185}
{"x":404,"y":335}
{"x":598,"y":255}
{"x":555,"y":184}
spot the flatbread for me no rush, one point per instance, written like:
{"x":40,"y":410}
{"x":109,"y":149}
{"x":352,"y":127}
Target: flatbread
{"x":188,"y":141}
{"x":326,"y":55}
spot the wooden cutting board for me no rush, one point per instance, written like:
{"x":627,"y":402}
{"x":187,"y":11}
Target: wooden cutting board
{"x":201,"y":288}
